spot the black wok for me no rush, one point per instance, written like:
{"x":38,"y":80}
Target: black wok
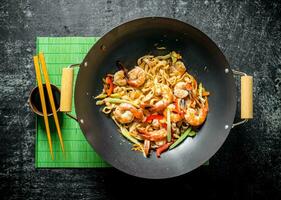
{"x":204,"y":60}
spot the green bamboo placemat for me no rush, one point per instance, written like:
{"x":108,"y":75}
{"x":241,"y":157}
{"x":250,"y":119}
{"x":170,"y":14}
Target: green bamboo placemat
{"x":60,"y":52}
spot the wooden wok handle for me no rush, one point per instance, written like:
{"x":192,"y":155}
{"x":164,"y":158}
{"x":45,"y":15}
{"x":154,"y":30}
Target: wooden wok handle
{"x":66,"y":89}
{"x":246,"y":97}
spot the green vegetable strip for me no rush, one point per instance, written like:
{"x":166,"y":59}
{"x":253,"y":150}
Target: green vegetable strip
{"x":181,"y":138}
{"x":192,"y":133}
{"x":101,"y":96}
{"x":163,"y":57}
{"x":169,"y":135}
{"x":116,"y":100}
{"x":174,"y":60}
{"x":127,"y":135}
{"x":115,"y":95}
{"x":99,"y":102}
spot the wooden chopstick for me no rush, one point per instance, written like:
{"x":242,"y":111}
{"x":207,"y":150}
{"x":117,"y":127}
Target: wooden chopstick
{"x":51,"y":98}
{"x":43,"y":103}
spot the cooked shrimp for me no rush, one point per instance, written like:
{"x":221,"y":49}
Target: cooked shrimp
{"x":197,"y":117}
{"x":175,"y":117}
{"x":179,"y":68}
{"x":136,"y":77}
{"x":119,"y":78}
{"x":125,"y":113}
{"x":155,"y":123}
{"x":156,"y":135}
{"x":180,"y":90}
{"x":154,"y":102}
{"x":166,"y":95}
{"x":191,"y":84}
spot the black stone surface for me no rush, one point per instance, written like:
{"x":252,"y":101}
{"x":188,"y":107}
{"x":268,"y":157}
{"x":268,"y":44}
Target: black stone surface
{"x":248,"y":166}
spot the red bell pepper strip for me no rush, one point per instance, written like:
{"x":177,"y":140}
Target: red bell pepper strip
{"x":164,"y":125}
{"x":109,"y":81}
{"x":162,"y":148}
{"x":152,"y":117}
{"x":177,"y":108}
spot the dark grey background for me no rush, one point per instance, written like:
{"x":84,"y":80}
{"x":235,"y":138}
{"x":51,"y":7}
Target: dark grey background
{"x":248,"y":166}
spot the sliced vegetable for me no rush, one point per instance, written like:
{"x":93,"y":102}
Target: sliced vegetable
{"x":117,"y":100}
{"x":116,"y":95}
{"x":177,"y":107}
{"x":152,"y":117}
{"x":101,"y":96}
{"x":163,"y":57}
{"x":169,"y":134}
{"x":192,"y":133}
{"x":164,"y":125}
{"x":100,"y":102}
{"x":146,"y":147}
{"x":161,"y":48}
{"x":175,"y":56}
{"x":127,"y":135}
{"x":174,"y":59}
{"x":109,"y":82}
{"x":182,"y":138}
{"x":162,"y":148}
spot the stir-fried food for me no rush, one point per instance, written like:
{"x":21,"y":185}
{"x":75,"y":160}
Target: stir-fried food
{"x":156,"y":104}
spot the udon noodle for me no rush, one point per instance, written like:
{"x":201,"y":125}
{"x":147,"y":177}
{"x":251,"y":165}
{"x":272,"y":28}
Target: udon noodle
{"x":156,"y":104}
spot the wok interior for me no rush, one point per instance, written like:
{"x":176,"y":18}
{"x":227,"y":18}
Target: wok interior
{"x":202,"y":59}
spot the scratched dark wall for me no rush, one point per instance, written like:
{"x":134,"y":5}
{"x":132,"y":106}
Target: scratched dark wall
{"x":248,"y":166}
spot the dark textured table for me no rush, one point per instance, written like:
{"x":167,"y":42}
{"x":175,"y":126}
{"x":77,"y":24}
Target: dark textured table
{"x":248,"y":166}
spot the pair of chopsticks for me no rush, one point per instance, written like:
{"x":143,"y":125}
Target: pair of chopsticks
{"x":36,"y":60}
